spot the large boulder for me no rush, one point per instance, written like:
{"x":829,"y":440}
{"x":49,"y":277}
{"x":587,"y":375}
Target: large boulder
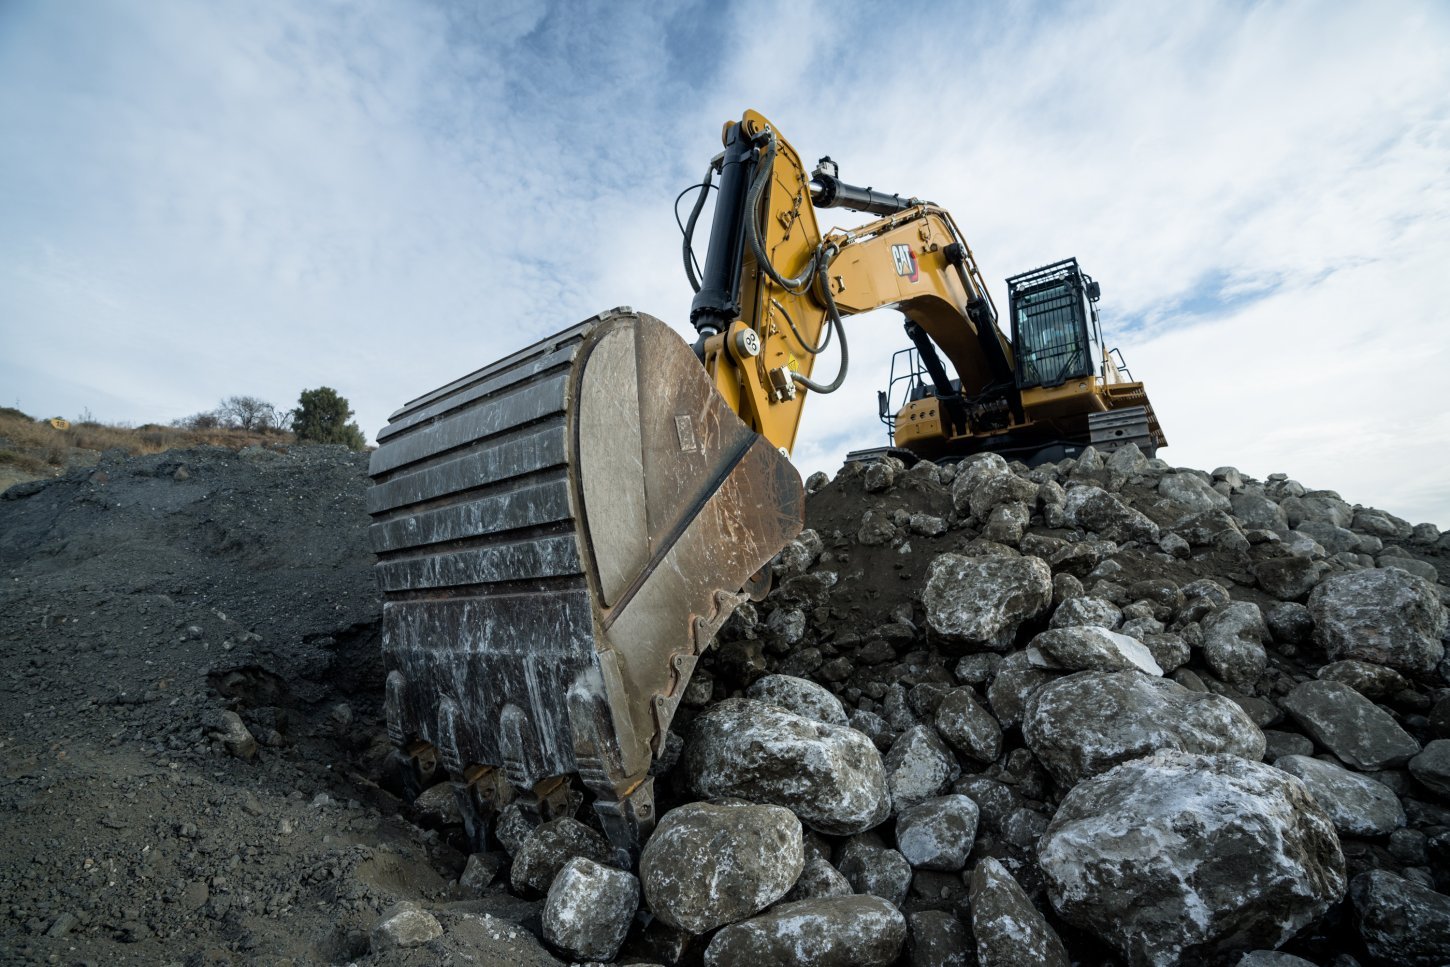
{"x":1009,"y":930}
{"x":1358,"y":805}
{"x":875,"y":869}
{"x":549,"y":847}
{"x":848,"y":931}
{"x":589,"y":909}
{"x":1402,"y":923}
{"x":1233,"y":643}
{"x":970,"y":728}
{"x":1085,"y":724}
{"x":985,"y":483}
{"x":981,"y":601}
{"x":919,"y":766}
{"x":1185,"y":859}
{"x":1432,"y":767}
{"x":1192,"y":492}
{"x":1089,"y":648}
{"x":1383,"y":616}
{"x":938,"y":834}
{"x":831,"y":777}
{"x":799,"y":696}
{"x":1346,"y":723}
{"x":711,"y":864}
{"x":1095,"y":510}
{"x":1258,"y":512}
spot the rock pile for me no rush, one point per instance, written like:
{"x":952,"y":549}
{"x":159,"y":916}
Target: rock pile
{"x":1103,"y":710}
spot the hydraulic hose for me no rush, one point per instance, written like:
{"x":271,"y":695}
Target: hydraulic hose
{"x":800,"y":340}
{"x":689,"y":246}
{"x":794,"y":286}
{"x":822,"y":260}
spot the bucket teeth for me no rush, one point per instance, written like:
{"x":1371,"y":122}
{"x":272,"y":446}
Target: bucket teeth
{"x":553,"y":533}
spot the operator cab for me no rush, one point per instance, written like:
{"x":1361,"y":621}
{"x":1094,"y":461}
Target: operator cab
{"x":1055,"y":334}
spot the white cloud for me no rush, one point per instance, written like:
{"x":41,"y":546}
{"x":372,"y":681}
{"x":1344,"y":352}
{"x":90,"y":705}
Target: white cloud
{"x":208,"y":200}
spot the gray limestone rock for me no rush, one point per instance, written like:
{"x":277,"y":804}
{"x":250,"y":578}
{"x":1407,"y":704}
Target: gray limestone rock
{"x":1357,"y":805}
{"x":938,"y":939}
{"x":1289,"y":578}
{"x":1349,"y":725}
{"x":1094,"y":509}
{"x":1279,"y":744}
{"x":1169,"y":650}
{"x":1257,"y":510}
{"x":876,"y":870}
{"x":1008,"y":929}
{"x":831,"y":777}
{"x":1086,"y":610}
{"x":968,"y":727}
{"x":1233,"y":643}
{"x":1432,"y":767}
{"x":228,"y":728}
{"x":852,"y":931}
{"x":1381,"y":524}
{"x":1272,"y":958}
{"x":403,"y":926}
{"x":1384,"y":616}
{"x":589,"y":909}
{"x":919,"y":766}
{"x":549,"y":847}
{"x":980,"y":601}
{"x":926,"y":525}
{"x":1085,"y":724}
{"x":711,"y":864}
{"x":1290,"y":623}
{"x":819,"y":879}
{"x":1191,"y":492}
{"x":876,"y":528}
{"x":1374,"y":682}
{"x":937,"y":834}
{"x":1402,"y":923}
{"x":799,"y":696}
{"x":1088,"y":648}
{"x":1184,"y":859}
{"x":985,"y":482}
{"x":1015,"y":683}
{"x":1007,"y":523}
{"x":1420,"y":569}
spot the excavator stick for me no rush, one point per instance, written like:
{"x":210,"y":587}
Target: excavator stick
{"x":559,"y":535}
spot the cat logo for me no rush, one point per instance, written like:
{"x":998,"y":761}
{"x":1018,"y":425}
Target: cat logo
{"x":905,"y":260}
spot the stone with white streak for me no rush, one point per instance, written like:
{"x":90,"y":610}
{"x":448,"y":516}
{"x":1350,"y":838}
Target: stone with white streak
{"x":589,"y":909}
{"x":832,"y":777}
{"x":848,"y":931}
{"x":1089,"y":648}
{"x":1358,"y":805}
{"x":1009,"y":930}
{"x":1085,"y":724}
{"x":710,"y":864}
{"x":981,"y":601}
{"x":1181,"y":858}
{"x":1387,"y":616}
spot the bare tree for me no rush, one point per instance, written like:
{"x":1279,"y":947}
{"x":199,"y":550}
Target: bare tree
{"x":249,"y":413}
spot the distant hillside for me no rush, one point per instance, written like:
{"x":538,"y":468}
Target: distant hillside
{"x":31,"y":449}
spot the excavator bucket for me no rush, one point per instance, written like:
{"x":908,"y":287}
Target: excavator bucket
{"x":559,"y":535}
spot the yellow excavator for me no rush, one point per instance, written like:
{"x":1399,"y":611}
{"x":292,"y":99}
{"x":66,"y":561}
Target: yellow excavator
{"x":560,"y":534}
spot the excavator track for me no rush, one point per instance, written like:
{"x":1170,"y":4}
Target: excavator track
{"x":558,"y":536}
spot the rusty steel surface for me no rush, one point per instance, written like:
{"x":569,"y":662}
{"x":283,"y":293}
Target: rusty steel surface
{"x":558,"y":536}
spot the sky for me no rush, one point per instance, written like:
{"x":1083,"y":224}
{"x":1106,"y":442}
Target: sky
{"x":203,"y":199}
